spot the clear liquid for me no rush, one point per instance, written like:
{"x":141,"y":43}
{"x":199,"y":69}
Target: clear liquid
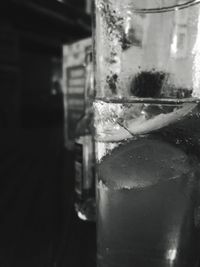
{"x":148,"y":158}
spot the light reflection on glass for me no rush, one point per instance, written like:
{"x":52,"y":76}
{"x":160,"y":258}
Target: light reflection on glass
{"x":171,"y":254}
{"x":82,"y":216}
{"x":196,"y":66}
{"x":174,"y":45}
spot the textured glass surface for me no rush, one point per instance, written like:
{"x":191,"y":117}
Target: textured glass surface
{"x":161,"y":48}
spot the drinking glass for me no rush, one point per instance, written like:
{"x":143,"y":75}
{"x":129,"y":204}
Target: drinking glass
{"x":147,"y":132}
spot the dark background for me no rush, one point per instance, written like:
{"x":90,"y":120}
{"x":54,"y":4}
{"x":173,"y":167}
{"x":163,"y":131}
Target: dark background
{"x":38,"y":226}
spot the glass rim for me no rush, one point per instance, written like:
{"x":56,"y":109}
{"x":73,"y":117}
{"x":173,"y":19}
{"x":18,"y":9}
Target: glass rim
{"x":167,"y":8}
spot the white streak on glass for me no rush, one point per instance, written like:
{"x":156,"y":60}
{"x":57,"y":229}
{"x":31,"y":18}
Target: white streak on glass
{"x":196,"y":63}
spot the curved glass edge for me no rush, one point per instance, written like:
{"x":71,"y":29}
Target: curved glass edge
{"x":166,"y":9}
{"x":147,"y":100}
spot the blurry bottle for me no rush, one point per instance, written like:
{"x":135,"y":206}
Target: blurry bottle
{"x":84,"y":151}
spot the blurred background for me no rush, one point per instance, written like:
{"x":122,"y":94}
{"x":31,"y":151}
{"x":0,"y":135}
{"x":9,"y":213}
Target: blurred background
{"x":42,"y":48}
